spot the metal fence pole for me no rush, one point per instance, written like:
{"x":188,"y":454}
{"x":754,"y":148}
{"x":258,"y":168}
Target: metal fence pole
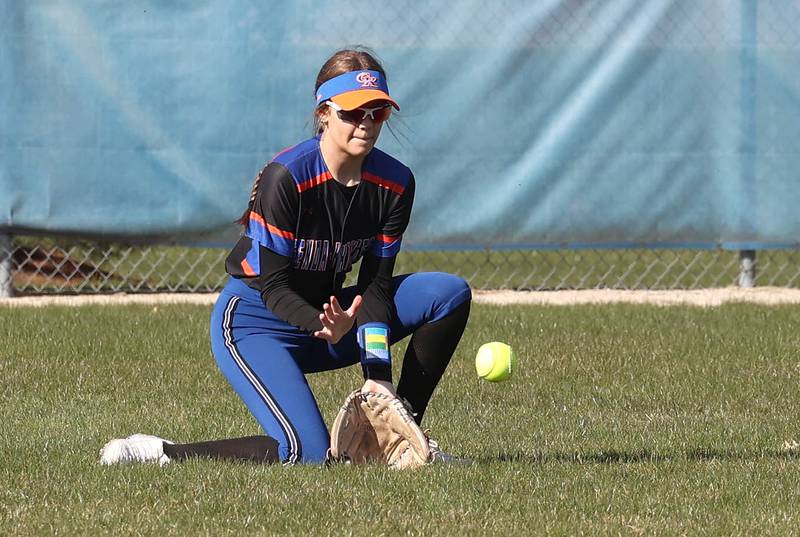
{"x":6,"y":287}
{"x":747,"y":268}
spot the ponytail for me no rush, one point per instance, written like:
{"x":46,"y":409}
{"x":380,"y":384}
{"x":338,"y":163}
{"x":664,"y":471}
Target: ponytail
{"x":246,"y":214}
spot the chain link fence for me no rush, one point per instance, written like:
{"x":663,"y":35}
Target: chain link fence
{"x":35,"y":266}
{"x":44,"y":265}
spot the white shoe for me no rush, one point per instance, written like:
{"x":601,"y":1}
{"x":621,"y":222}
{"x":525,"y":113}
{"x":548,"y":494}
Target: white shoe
{"x":135,"y":448}
{"x":440,"y":457}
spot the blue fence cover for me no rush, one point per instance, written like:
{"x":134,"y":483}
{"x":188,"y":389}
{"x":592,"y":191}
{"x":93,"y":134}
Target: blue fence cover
{"x":548,"y":123}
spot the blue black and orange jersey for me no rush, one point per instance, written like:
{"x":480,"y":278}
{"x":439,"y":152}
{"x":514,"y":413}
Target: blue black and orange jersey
{"x":306,"y":230}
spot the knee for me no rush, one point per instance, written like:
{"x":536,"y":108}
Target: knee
{"x":452,"y":291}
{"x":456,"y":287}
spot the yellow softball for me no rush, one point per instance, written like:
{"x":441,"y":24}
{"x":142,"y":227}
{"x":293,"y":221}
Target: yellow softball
{"x":495,"y":361}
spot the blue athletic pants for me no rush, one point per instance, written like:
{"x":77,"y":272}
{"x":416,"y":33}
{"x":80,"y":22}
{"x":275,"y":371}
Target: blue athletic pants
{"x":265,"y":359}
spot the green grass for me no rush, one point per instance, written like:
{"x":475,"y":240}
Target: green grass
{"x":619,"y":420}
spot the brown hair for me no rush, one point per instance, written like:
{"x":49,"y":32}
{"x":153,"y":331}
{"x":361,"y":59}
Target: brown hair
{"x":342,"y":61}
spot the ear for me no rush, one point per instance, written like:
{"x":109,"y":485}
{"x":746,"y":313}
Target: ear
{"x":323,"y":114}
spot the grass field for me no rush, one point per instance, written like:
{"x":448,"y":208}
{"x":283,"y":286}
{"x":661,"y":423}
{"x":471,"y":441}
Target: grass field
{"x":620,"y":420}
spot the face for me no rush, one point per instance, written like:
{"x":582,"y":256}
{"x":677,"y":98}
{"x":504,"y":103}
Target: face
{"x":352,"y":133}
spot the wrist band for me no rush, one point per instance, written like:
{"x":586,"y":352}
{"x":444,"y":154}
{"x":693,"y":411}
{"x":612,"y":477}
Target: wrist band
{"x":373,"y":342}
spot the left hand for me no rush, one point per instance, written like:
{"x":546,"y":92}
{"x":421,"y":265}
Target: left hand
{"x":336,"y":322}
{"x":379,"y":386}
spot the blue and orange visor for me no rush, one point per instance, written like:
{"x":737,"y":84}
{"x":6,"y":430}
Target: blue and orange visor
{"x":354,"y":89}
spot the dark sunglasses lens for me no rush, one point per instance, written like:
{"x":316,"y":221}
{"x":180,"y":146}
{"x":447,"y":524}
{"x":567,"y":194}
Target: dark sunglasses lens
{"x":382,"y":114}
{"x":351,"y":116}
{"x":359,"y":114}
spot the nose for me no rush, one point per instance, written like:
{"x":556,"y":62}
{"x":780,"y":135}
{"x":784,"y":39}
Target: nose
{"x":367,"y":126}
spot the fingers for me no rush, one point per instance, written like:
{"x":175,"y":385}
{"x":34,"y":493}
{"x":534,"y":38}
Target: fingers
{"x":322,"y":334}
{"x":326,"y":318}
{"x":336,"y":307}
{"x":328,"y":314}
{"x":333,"y":310}
{"x":336,"y":321}
{"x":355,"y":306}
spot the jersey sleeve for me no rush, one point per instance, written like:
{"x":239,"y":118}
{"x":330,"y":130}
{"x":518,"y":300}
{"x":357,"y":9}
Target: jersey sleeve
{"x":375,"y":285}
{"x":387,"y":242}
{"x":271,"y":228}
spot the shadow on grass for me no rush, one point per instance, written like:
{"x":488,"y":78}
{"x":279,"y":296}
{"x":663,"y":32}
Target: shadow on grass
{"x":612,"y":456}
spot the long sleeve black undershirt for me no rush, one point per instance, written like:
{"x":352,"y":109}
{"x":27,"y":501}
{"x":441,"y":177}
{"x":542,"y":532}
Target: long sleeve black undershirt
{"x":374,"y":284}
{"x":277,"y":293}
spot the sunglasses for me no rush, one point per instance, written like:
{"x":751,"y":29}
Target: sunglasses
{"x":378,"y":114}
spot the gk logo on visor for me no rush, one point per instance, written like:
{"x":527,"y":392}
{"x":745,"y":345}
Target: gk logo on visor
{"x":366,"y":80}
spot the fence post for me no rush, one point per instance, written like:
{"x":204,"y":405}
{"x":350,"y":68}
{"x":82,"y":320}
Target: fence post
{"x":747,"y":268}
{"x":6,"y":287}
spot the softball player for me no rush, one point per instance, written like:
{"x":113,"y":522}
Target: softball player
{"x":316,"y":209}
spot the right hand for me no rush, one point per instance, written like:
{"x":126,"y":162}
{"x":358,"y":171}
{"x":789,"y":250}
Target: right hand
{"x":336,"y":322}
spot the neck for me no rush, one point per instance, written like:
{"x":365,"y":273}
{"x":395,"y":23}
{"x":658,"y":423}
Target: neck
{"x":345,"y":168}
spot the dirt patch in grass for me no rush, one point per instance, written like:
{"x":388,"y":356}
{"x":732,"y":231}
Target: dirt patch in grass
{"x":697,"y":297}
